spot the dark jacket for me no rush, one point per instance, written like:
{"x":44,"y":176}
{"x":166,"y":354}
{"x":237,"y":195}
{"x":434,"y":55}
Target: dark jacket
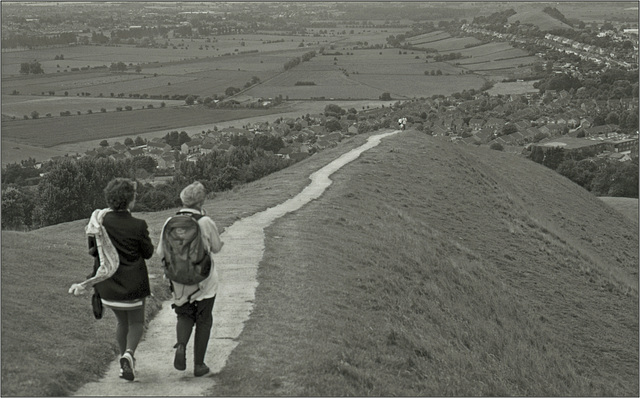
{"x":130,"y":236}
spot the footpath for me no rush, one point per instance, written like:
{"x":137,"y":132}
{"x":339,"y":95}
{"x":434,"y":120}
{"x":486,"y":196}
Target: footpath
{"x":238,"y":268}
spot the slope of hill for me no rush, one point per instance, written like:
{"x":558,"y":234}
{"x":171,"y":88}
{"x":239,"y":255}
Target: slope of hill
{"x":434,"y":269}
{"x":538,"y":18}
{"x":51,"y":344}
{"x":425,"y":269}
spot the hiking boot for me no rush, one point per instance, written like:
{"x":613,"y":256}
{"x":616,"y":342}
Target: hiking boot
{"x":127,"y":365}
{"x":200,"y":370}
{"x":180,"y":360}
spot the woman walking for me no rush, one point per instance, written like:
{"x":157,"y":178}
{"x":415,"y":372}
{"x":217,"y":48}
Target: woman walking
{"x":120,"y":244}
{"x":193,"y":304}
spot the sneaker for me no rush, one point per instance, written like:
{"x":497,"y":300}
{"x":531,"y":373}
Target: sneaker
{"x":126,"y":363}
{"x":180,"y":360}
{"x":200,"y":370}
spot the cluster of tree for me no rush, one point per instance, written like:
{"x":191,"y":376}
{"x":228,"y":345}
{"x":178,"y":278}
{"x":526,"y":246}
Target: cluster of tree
{"x":175,"y":139}
{"x":334,"y":111}
{"x":32,"y":67}
{"x":433,"y":72}
{"x":558,"y":82}
{"x":298,"y":60}
{"x":448,"y":57}
{"x":497,"y":18}
{"x":222,"y":170}
{"x":69,"y":190}
{"x":118,"y":66}
{"x":31,"y":41}
{"x":602,"y":177}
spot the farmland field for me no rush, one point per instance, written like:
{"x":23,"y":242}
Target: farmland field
{"x":420,"y":86}
{"x":207,"y":68}
{"x":452,"y":44}
{"x":20,"y":105}
{"x":429,"y":37}
{"x":55,"y":131}
{"x":490,"y":51}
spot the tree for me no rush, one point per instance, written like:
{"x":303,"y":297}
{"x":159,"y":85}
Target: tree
{"x":509,"y":129}
{"x":33,"y":67}
{"x":104,"y":143}
{"x":333,"y":125}
{"x":385,"y":96}
{"x":129,"y":142}
{"x":35,"y":115}
{"x":231,"y":91}
{"x":17,"y":208}
{"x":612,"y":118}
{"x":139,"y":141}
{"x":183,"y":137}
{"x":190,"y":100}
{"x":553,"y":157}
{"x":334,"y":110}
{"x":497,"y":146}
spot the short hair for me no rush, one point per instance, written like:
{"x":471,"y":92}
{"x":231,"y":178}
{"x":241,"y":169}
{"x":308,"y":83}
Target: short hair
{"x":193,"y":194}
{"x":119,"y":193}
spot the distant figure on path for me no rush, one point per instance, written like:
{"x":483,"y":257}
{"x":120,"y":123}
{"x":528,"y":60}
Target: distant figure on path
{"x":402,"y":123}
{"x":193,"y":304}
{"x":120,"y":244}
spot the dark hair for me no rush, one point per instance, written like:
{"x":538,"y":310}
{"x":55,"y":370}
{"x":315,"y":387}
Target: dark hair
{"x":119,"y":193}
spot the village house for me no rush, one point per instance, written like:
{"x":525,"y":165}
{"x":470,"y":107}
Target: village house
{"x":191,"y":147}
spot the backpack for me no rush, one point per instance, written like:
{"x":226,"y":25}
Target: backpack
{"x":186,"y":260}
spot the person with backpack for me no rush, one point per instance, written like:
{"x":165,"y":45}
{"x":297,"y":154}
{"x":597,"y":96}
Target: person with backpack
{"x":120,"y":244}
{"x":187,"y":243}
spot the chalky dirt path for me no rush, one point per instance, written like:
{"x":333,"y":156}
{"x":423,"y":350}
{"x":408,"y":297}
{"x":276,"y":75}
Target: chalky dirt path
{"x":238,"y":268}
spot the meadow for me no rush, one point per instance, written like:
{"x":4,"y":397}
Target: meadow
{"x":429,"y":269}
{"x":20,"y":105}
{"x":51,"y":353}
{"x":97,"y":126}
{"x":465,"y":272}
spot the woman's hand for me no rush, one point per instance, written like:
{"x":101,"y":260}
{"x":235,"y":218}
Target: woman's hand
{"x":77,"y":289}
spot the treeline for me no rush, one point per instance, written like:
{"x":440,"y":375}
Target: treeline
{"x":448,"y":57}
{"x":612,"y":84}
{"x":31,"y":41}
{"x":298,"y":60}
{"x":602,"y":177}
{"x":497,"y":18}
{"x":71,"y":189}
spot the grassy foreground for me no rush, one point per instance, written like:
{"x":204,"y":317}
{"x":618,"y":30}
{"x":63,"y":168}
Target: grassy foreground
{"x":51,"y":344}
{"x":425,"y":269}
{"x":429,"y":269}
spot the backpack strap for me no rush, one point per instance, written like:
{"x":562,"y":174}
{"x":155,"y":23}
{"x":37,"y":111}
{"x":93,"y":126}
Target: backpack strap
{"x":188,"y":213}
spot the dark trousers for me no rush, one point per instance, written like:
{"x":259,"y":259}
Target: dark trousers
{"x":200,"y":314}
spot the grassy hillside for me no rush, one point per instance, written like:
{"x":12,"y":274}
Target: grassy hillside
{"x":425,"y":269}
{"x":51,"y":344}
{"x":435,"y":269}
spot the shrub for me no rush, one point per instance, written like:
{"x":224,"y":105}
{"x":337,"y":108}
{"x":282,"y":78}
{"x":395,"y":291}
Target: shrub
{"x":103,"y":110}
{"x":119,"y":108}
{"x":128,"y":107}
{"x":497,"y":146}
